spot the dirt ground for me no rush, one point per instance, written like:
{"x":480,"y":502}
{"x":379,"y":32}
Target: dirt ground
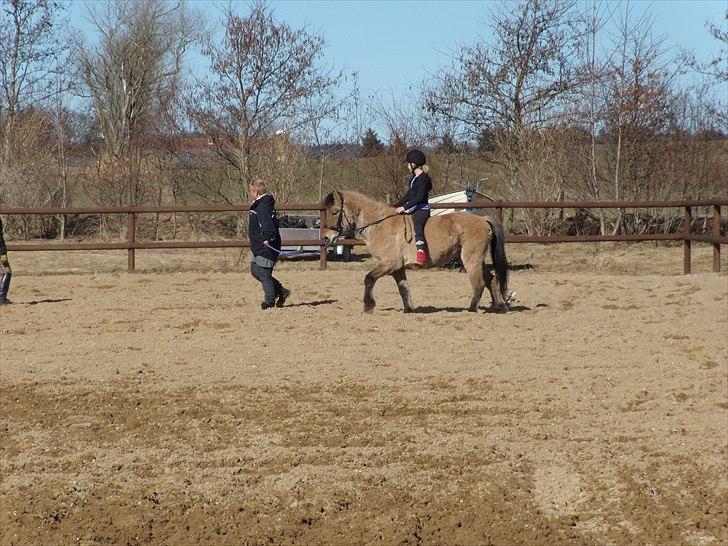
{"x":166,"y":408}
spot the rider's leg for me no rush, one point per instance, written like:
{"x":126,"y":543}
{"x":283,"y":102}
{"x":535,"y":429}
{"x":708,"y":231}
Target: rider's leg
{"x":419,"y":218}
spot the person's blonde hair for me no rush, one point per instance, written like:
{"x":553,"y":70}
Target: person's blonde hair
{"x":259,"y":185}
{"x":425,"y":168}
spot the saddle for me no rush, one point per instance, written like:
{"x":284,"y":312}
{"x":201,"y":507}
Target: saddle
{"x":409,"y":228}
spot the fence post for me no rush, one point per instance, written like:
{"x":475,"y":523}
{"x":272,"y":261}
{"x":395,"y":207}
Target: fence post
{"x":687,"y":229}
{"x":716,"y":233}
{"x":324,"y":250}
{"x":130,"y":239}
{"x":499,"y":214}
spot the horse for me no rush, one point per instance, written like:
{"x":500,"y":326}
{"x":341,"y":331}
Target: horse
{"x":389,"y":238}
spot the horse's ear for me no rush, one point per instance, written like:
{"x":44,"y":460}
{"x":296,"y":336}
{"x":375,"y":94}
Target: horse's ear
{"x":328,"y":201}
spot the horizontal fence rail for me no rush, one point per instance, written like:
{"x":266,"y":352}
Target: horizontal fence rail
{"x":131,"y":244}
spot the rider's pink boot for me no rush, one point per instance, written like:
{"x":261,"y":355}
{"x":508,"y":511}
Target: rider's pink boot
{"x":421,"y":256}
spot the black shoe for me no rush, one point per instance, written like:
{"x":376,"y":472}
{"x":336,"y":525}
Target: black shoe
{"x":266,"y":305}
{"x":282,"y":298}
{"x":5,"y":301}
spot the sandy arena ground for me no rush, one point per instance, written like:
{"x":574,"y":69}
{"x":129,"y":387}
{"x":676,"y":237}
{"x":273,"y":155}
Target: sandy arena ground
{"x":166,"y":408}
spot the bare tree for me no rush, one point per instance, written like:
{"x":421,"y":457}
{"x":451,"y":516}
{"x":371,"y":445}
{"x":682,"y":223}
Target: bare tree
{"x":132,"y":75}
{"x":385,"y":175}
{"x":326,"y":112}
{"x":513,"y":87}
{"x":33,"y":57}
{"x":32,"y":53}
{"x":637,"y":106}
{"x":264,"y":74}
{"x":518,"y":80}
{"x":136,"y":64}
{"x":29,"y":173}
{"x":714,"y":71}
{"x":595,"y":70}
{"x":716,"y":67}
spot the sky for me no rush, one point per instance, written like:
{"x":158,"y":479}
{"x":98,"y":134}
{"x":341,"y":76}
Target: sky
{"x":393,"y":45}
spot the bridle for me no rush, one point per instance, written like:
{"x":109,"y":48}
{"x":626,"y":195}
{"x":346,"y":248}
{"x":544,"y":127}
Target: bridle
{"x":339,"y":227}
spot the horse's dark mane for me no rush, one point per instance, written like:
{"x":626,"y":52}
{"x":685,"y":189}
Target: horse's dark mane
{"x":366,"y":198}
{"x":328,"y":201}
{"x":332,"y":197}
{"x":362,"y":199}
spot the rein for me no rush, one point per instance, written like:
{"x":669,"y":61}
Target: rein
{"x":338,"y":228}
{"x":359,"y":230}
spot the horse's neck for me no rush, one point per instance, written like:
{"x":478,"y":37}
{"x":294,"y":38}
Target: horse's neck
{"x":369,"y":214}
{"x":367,"y":211}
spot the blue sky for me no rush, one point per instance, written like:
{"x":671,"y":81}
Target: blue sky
{"x":393,"y":44}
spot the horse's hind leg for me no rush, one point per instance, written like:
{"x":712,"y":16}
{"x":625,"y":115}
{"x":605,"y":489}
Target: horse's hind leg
{"x":369,"y":280}
{"x":400,"y":278}
{"x":473,"y":261}
{"x":491,"y":281}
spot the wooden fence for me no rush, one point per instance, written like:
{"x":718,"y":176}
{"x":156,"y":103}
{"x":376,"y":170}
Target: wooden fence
{"x":131,"y":245}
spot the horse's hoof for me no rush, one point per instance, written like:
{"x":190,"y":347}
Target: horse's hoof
{"x":409,"y":310}
{"x":368,"y":308}
{"x":472,"y":309}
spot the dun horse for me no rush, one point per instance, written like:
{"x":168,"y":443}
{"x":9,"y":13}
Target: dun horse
{"x":389,"y":239}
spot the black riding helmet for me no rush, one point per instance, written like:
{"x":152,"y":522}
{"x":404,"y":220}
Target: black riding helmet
{"x":416,"y":157}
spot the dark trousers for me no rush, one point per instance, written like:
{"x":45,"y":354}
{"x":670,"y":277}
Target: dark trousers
{"x":5,"y":271}
{"x":419,"y":218}
{"x":271,"y":287}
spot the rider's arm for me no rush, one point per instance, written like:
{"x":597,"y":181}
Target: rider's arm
{"x":403,"y":199}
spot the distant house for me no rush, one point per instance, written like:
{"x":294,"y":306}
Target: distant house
{"x":190,"y":143}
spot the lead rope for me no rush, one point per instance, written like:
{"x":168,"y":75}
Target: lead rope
{"x":333,"y":241}
{"x":297,"y":254}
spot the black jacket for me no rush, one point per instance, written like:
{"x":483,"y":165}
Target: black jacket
{"x":418,"y":192}
{"x":263,"y":226}
{"x":3,"y":248}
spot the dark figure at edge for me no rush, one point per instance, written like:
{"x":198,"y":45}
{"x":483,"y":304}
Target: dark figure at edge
{"x":7,"y":272}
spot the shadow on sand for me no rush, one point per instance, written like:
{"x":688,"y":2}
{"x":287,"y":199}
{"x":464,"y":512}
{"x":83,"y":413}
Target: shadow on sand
{"x":311,"y":303}
{"x":37,"y":302}
{"x":426,"y":309}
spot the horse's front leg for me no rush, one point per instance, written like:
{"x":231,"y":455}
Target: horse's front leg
{"x":369,"y":281}
{"x":400,"y":278}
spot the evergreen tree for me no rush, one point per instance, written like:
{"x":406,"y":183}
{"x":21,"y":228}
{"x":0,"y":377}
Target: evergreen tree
{"x":371,"y":145}
{"x":447,"y":144}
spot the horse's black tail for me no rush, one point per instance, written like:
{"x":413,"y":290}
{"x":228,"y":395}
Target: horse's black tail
{"x":498,"y":253}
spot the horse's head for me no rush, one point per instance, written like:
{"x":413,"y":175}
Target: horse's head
{"x":337,"y":219}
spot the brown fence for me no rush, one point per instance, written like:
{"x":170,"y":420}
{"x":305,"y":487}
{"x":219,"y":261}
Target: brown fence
{"x":131,"y":244}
